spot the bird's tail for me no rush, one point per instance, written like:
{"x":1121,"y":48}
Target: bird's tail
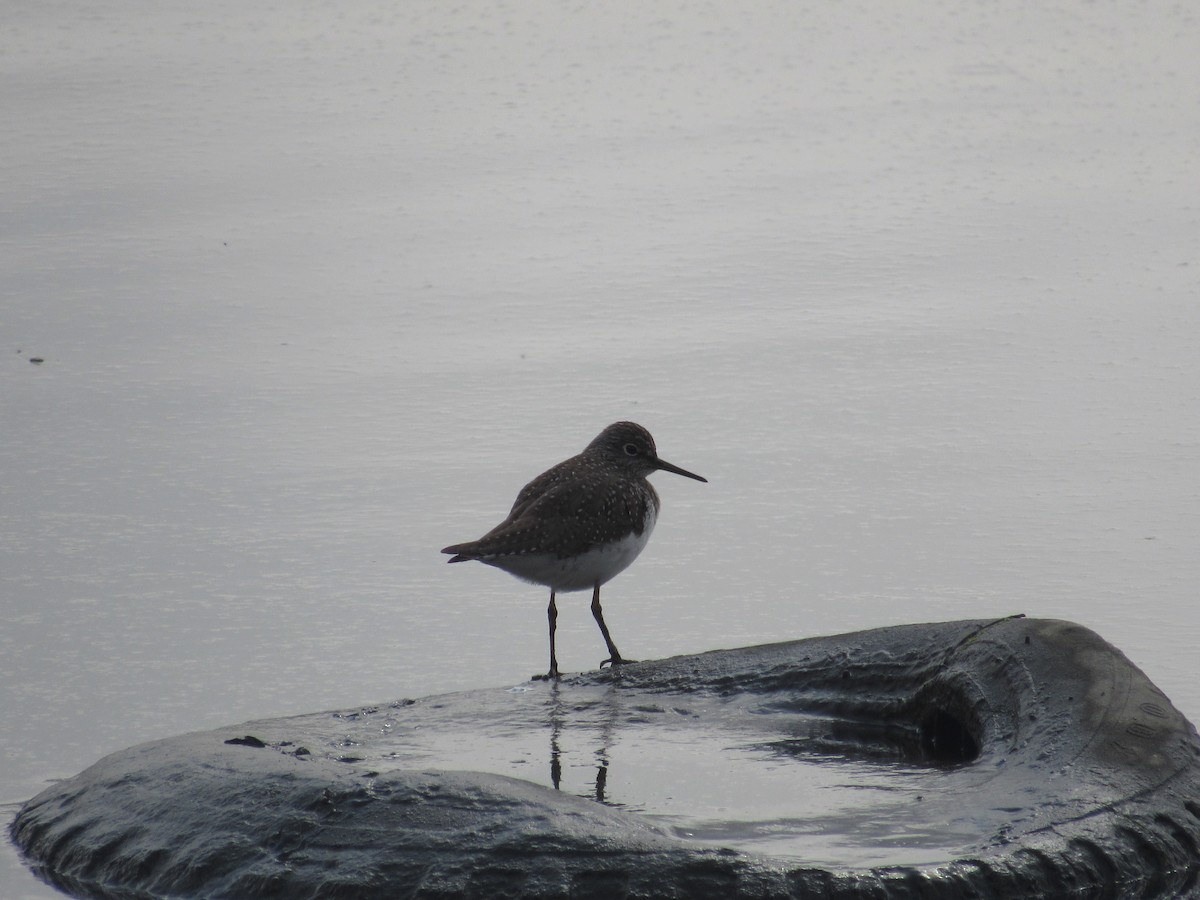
{"x":462,"y":552}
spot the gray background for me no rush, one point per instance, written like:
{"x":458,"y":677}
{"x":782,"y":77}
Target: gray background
{"x":319,"y":286}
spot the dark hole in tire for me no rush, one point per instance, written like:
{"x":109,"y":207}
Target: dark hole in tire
{"x":946,"y":739}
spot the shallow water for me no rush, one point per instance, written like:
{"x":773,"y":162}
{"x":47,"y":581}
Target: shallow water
{"x":713,"y":765}
{"x":316,"y":289}
{"x":711,"y":784}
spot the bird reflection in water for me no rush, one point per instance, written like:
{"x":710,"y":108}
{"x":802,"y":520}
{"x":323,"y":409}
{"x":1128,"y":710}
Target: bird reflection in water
{"x":604,"y":728}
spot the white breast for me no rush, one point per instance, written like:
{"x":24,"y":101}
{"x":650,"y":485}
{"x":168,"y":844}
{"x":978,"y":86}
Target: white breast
{"x":580,"y":573}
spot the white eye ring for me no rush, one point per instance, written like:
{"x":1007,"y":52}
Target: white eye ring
{"x":631,"y":450}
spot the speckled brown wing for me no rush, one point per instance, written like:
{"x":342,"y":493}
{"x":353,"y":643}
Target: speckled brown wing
{"x":544,"y":483}
{"x":564,"y":518}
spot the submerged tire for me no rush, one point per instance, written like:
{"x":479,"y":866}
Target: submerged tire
{"x":1079,"y":777}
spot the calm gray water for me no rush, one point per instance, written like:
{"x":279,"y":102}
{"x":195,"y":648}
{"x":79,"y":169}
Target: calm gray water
{"x":318,"y":287}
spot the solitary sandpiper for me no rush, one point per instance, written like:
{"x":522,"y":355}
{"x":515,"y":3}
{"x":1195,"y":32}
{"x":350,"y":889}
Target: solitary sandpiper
{"x":580,"y":523}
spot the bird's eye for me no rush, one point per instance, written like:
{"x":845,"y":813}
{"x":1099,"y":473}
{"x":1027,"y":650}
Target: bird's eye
{"x":631,"y":450}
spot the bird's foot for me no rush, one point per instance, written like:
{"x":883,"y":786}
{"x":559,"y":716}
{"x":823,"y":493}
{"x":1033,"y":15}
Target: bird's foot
{"x":616,"y":661}
{"x":552,"y":675}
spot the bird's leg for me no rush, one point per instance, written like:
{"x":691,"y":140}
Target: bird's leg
{"x":614,"y":655}
{"x":552,"y":617}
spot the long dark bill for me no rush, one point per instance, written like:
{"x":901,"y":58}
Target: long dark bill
{"x":667,"y":467}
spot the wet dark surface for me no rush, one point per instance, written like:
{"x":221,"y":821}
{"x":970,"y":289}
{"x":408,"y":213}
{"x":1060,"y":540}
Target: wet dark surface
{"x":980,"y":758}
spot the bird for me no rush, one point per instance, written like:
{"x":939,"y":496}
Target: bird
{"x":580,"y":523}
